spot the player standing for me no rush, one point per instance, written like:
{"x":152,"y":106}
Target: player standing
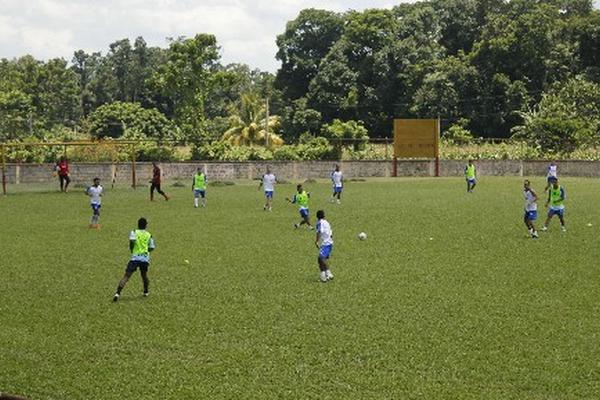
{"x":62,"y":168}
{"x":268,"y":181}
{"x":95,"y":193}
{"x":199,"y":187}
{"x":530,"y":209}
{"x":552,"y":174}
{"x":324,"y":243}
{"x":155,"y":182}
{"x":470,"y":176}
{"x":556,"y":198}
{"x":301,"y":198}
{"x":338,"y":184}
{"x":141,"y":243}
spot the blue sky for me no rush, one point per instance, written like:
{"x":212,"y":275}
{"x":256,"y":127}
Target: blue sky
{"x":245,"y":29}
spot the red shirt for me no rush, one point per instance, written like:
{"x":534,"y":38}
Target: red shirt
{"x":156,"y":175}
{"x":63,"y":168}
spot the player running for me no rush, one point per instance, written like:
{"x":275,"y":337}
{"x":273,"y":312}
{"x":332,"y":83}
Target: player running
{"x":556,"y":198}
{"x":324,"y":243}
{"x":268,"y":181}
{"x":301,"y":198}
{"x":338,"y":184}
{"x":530,"y":209}
{"x":95,"y":193}
{"x":199,"y":187}
{"x":141,"y":243}
{"x":62,"y":168}
{"x":552,"y":174}
{"x":470,"y":176}
{"x":155,"y":182}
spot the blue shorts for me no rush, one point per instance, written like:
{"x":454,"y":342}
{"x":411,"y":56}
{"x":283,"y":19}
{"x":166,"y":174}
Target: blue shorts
{"x":269,"y":194}
{"x":559,"y":212}
{"x":96,"y":208}
{"x":199,"y":193}
{"x":472,"y":181}
{"x":337,"y":189}
{"x":531,"y":215}
{"x":304,"y":212}
{"x":551,"y":179}
{"x":325,"y":251}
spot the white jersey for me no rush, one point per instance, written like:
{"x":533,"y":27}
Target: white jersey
{"x":268,"y":181}
{"x":552,"y":171}
{"x":95,"y":194}
{"x":530,"y":204}
{"x":337,"y":178}
{"x":325,"y":233}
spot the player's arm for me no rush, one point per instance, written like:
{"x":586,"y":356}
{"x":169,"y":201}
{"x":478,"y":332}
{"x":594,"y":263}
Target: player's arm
{"x":293,"y":200}
{"x":549,"y":197}
{"x":193,"y":183}
{"x":260,"y":183}
{"x":562,"y":194}
{"x":151,"y":244}
{"x":535,"y":197}
{"x":131,"y":241}
{"x":318,"y":237}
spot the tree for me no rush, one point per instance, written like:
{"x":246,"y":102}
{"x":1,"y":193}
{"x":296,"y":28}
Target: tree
{"x":305,"y":42}
{"x":249,"y":124}
{"x":185,"y":79}
{"x":124,"y":120}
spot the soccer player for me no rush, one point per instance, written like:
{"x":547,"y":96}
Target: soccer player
{"x":199,"y":187}
{"x":141,"y":243}
{"x":62,"y":168}
{"x":95,"y":193}
{"x":338,"y":184}
{"x":268,"y":181}
{"x":470,"y":176}
{"x":552,"y":174}
{"x":530,"y":209}
{"x":556,"y":198}
{"x":324,"y":243}
{"x":301,"y":198}
{"x":155,"y":182}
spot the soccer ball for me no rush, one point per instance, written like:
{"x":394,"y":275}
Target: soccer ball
{"x":362,"y":236}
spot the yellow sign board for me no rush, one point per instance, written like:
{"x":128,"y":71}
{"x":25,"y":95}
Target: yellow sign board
{"x":416,"y":138}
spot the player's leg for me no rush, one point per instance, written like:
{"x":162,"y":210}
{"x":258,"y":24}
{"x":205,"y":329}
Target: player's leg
{"x":145,"y":280}
{"x":548,"y":219}
{"x":561,"y":217}
{"x":67,"y":181}
{"x":473,"y":184}
{"x":131,"y":267}
{"x":322,"y":268}
{"x":161,"y":192}
{"x":196,"y":198}
{"x":61,"y":181}
{"x":203,"y":195}
{"x":468,"y":186}
{"x":152,"y":189}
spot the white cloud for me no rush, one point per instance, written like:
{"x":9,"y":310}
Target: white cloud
{"x":245,"y":29}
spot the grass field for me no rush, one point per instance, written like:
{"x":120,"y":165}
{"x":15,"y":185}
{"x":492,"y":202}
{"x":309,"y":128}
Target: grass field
{"x":446,"y":299}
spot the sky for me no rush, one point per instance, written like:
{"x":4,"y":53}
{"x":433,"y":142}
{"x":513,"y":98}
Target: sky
{"x":245,"y":29}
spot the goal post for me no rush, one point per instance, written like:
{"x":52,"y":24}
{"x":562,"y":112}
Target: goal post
{"x":417,"y":138}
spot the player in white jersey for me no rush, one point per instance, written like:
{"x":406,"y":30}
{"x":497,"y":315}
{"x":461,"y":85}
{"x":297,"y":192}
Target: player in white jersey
{"x":338,"y":184}
{"x":268,"y":181}
{"x":530,"y":209}
{"x":95,"y":194}
{"x":324,"y":243}
{"x":551,"y":175}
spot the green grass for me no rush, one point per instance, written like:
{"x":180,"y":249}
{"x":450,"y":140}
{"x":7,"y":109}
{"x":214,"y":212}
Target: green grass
{"x":446,"y":299}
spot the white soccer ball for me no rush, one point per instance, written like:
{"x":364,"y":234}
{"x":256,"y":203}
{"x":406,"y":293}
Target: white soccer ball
{"x":362,"y":236}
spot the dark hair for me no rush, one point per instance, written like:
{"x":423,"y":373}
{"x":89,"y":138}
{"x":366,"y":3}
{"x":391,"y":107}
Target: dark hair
{"x":320,"y":214}
{"x":142,"y":223}
{"x":298,"y":186}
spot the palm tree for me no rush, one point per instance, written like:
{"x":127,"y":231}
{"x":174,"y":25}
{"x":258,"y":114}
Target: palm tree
{"x":247,"y":121}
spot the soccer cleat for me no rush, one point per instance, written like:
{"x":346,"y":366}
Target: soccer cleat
{"x":310,"y":228}
{"x":323,"y":277}
{"x":145,"y":294}
{"x":544,"y":228}
{"x":534,"y":235}
{"x":296,"y":226}
{"x":329,"y":275}
{"x":332,"y":200}
{"x":563,"y":228}
{"x":116,"y":297}
{"x":339,"y":202}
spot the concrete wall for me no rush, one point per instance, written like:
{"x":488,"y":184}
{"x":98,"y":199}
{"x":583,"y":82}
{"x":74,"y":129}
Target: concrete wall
{"x":85,"y":172}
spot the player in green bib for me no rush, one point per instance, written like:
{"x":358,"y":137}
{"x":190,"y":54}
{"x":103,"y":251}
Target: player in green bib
{"x":141,"y":244}
{"x":301,"y":198}
{"x":199,"y":187}
{"x":556,"y":203}
{"x":470,"y":176}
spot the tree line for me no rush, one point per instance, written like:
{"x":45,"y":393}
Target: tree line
{"x":492,"y":68}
